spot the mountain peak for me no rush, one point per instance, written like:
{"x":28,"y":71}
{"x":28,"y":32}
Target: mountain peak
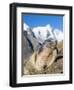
{"x":58,"y":34}
{"x":25,"y":27}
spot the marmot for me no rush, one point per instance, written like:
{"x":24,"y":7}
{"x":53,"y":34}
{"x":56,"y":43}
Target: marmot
{"x":41,"y":59}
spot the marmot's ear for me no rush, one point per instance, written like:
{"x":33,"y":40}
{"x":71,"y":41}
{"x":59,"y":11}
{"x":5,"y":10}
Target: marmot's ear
{"x":56,"y":49}
{"x":56,"y":46}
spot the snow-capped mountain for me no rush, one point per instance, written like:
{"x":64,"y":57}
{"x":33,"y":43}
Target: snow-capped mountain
{"x":43,"y":33}
{"x":58,"y":34}
{"x":25,"y":27}
{"x":30,"y":38}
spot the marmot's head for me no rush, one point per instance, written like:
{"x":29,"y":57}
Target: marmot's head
{"x":48,"y":46}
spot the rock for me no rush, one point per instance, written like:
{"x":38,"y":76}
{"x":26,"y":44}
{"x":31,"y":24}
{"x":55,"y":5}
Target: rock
{"x":30,"y":44}
{"x":26,"y":46}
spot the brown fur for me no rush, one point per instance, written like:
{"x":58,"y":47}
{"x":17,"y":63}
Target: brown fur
{"x":37,"y":61}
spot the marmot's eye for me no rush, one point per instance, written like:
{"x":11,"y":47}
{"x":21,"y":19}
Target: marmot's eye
{"x":44,"y":67}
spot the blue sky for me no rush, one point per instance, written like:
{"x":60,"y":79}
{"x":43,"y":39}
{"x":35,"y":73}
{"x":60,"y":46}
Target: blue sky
{"x":34,"y":20}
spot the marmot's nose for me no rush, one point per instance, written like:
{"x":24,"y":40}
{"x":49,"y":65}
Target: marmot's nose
{"x":44,"y":67}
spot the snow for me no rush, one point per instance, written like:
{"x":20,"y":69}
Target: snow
{"x":25,"y":27}
{"x":58,"y":34}
{"x":43,"y":33}
{"x":46,"y":32}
